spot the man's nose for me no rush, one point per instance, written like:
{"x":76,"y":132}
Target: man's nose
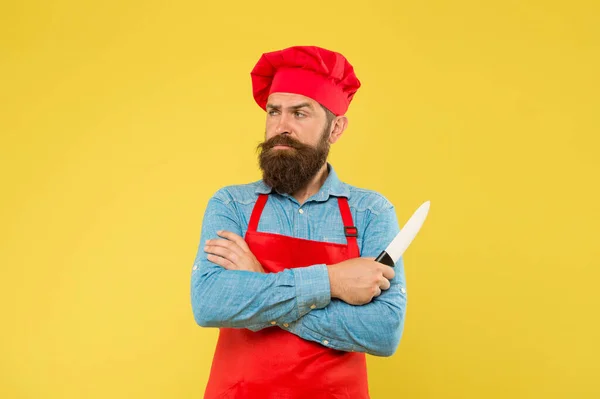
{"x":283,"y":126}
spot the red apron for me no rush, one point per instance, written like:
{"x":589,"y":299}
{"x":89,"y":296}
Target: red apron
{"x":274,"y":363}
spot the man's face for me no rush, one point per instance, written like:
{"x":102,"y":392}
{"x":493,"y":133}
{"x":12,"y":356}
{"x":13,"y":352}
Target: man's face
{"x":297,"y":116}
{"x":296,"y":141}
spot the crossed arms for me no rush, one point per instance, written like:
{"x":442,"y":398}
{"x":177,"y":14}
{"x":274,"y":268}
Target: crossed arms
{"x":231,"y":291}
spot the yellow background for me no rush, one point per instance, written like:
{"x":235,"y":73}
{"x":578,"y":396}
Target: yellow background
{"x":119,"y":120}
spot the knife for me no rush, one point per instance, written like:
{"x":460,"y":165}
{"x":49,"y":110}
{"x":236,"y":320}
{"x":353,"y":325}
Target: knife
{"x":394,"y":251}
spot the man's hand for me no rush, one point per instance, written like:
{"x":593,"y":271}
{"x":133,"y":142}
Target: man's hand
{"x":357,"y":281}
{"x":232,"y":253}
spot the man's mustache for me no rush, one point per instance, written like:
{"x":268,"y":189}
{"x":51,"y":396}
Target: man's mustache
{"x":282,"y":140}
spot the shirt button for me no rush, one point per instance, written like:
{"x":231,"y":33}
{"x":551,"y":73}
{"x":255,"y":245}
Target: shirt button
{"x":286,"y":325}
{"x":325,"y":342}
{"x":195,"y":267}
{"x":301,"y":210}
{"x":273,"y":322}
{"x":313,"y":306}
{"x":403,"y":290}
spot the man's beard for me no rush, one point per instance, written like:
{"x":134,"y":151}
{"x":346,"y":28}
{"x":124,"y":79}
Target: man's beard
{"x":291,"y":169}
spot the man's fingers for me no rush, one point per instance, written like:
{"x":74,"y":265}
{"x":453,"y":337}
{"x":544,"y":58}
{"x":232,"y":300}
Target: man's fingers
{"x":234,"y":238}
{"x":223,"y":252}
{"x":224,"y":243}
{"x":384,"y":284}
{"x":221,"y":262}
{"x":388,"y":272}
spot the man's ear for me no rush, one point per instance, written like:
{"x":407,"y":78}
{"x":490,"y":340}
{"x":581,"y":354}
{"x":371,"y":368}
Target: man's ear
{"x":339,"y":126}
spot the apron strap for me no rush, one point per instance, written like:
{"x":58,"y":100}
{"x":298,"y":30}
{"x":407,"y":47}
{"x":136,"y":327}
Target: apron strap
{"x":257,"y":211}
{"x":349,"y":228}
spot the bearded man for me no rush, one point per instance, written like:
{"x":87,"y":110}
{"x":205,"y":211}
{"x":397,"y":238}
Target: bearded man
{"x":285,"y":267}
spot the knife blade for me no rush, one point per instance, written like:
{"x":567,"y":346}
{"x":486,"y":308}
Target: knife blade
{"x":404,"y":238}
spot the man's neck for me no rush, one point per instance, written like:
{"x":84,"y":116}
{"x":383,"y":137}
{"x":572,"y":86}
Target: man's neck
{"x":313,"y":186}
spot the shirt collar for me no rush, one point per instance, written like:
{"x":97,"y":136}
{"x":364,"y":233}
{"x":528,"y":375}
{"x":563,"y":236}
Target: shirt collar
{"x":333,"y":186}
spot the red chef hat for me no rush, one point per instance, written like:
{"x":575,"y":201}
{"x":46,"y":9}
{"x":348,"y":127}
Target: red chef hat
{"x":323,"y":75}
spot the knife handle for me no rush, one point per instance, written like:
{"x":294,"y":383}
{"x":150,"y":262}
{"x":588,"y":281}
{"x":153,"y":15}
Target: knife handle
{"x":385,"y":259}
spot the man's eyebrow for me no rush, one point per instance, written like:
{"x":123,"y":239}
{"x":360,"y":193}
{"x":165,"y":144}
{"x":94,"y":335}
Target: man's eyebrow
{"x":301,"y":105}
{"x":291,"y":107}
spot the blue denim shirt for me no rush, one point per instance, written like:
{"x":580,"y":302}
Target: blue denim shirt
{"x":299,"y":299}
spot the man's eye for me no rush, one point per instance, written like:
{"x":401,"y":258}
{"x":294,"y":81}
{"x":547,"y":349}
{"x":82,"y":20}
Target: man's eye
{"x":272,"y":112}
{"x":299,"y":114}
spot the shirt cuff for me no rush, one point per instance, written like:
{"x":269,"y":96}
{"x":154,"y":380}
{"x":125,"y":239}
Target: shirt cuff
{"x":312,"y":288}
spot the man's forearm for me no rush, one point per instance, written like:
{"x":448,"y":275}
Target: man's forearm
{"x":241,"y":299}
{"x":374,"y":328}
